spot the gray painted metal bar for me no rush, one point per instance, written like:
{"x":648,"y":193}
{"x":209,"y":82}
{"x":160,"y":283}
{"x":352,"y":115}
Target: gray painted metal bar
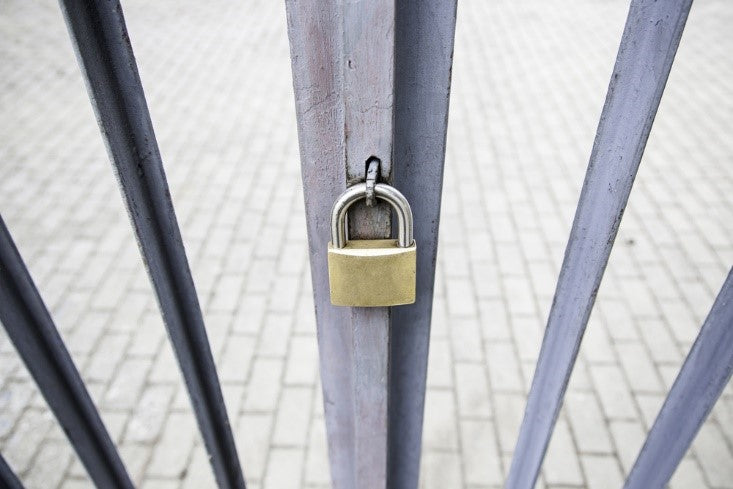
{"x":8,"y":479}
{"x":355,"y":92}
{"x":699,"y":384}
{"x":316,"y":47}
{"x":424,"y":35}
{"x":346,"y":90}
{"x":368,"y":67}
{"x":32,"y":331}
{"x":106,"y":58}
{"x":648,"y":46}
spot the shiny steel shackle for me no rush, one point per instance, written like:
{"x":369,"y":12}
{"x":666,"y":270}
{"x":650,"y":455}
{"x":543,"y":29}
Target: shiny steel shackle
{"x":382,"y":191}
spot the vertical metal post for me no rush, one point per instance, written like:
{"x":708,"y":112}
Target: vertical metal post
{"x":316,"y":46}
{"x":351,"y":105}
{"x":32,"y":331}
{"x":368,"y":67}
{"x":424,"y":36}
{"x":8,"y":479}
{"x":648,"y":46}
{"x":108,"y":63}
{"x":702,"y":378}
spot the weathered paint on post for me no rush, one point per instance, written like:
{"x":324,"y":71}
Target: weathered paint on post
{"x":424,"y":36}
{"x":368,"y":67}
{"x":702,"y":378}
{"x":105,"y":55}
{"x":342,"y":60}
{"x":372,"y":81}
{"x":33,"y":333}
{"x":316,"y":47}
{"x":648,"y":46}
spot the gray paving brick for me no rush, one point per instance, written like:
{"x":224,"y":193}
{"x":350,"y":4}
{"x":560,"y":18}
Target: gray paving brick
{"x":440,"y":427}
{"x":49,"y":467}
{"x":439,"y":363}
{"x":465,"y":339}
{"x":472,"y":391}
{"x":639,"y":367}
{"x":616,"y":400}
{"x":254,"y":431}
{"x":149,"y":414}
{"x":284,"y":469}
{"x":688,"y":474}
{"x":714,"y":455}
{"x":264,"y":387}
{"x":235,"y":363}
{"x":275,"y":335}
{"x":587,"y":423}
{"x":199,"y":473}
{"x":302,"y":363}
{"x":562,"y":464}
{"x":172,"y":453}
{"x":628,"y":436}
{"x":440,"y":470}
{"x":23,"y":444}
{"x":481,"y":463}
{"x":14,"y":398}
{"x":504,"y":369}
{"x":293,"y":417}
{"x":602,"y":471}
{"x":125,"y":388}
{"x":508,"y":417}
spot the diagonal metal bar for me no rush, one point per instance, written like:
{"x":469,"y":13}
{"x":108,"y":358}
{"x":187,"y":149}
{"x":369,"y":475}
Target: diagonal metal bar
{"x":8,"y":479}
{"x":425,"y":31}
{"x":32,"y":331}
{"x":648,"y":46}
{"x":106,"y":58}
{"x":702,"y":378}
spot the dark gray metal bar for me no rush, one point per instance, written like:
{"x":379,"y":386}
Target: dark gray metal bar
{"x":424,"y":35}
{"x":702,"y":378}
{"x":648,"y":46}
{"x":32,"y":331}
{"x":8,"y":479}
{"x":105,"y":55}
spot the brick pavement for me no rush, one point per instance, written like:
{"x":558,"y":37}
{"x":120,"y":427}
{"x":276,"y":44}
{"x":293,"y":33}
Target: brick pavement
{"x":529,"y":82}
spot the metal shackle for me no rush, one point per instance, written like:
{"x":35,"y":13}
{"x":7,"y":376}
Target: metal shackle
{"x":382,"y":191}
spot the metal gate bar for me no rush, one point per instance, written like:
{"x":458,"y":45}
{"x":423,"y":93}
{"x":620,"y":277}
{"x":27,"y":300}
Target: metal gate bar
{"x":32,"y":331}
{"x":362,"y":89}
{"x":699,"y":384}
{"x":108,"y":63}
{"x":368,"y":78}
{"x":8,"y":479}
{"x":315,"y":53}
{"x":648,"y":46}
{"x":424,"y":35}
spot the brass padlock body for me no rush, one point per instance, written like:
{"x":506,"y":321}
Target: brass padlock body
{"x":372,"y":273}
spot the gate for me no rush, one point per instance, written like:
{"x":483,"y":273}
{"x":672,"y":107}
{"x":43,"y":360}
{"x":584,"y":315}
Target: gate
{"x":372,"y":84}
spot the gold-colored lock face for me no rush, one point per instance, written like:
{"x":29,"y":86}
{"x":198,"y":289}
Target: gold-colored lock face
{"x":372,"y":273}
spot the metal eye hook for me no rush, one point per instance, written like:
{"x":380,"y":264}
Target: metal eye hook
{"x":371,"y":180}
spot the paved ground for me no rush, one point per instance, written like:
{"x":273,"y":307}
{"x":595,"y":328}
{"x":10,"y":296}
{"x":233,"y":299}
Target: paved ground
{"x":529,"y":82}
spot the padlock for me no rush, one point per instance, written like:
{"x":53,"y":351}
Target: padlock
{"x":373,"y":272}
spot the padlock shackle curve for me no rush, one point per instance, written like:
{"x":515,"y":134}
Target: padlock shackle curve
{"x":383,"y":191}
